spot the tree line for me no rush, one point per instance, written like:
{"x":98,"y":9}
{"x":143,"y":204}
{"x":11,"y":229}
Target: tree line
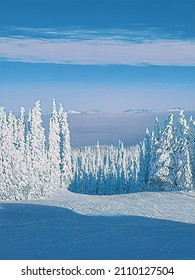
{"x":163,"y":161}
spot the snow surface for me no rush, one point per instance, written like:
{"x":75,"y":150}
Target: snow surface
{"x":65,"y":225}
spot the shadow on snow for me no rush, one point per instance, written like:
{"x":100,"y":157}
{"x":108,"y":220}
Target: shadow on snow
{"x":45,"y":232}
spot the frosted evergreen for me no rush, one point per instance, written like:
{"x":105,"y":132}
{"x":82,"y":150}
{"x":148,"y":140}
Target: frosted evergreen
{"x":54,"y":149}
{"x":144,"y":162}
{"x":163,"y":165}
{"x":184,"y":168}
{"x":65,"y":148}
{"x":163,"y":161}
{"x":104,"y":169}
{"x":192,"y":147}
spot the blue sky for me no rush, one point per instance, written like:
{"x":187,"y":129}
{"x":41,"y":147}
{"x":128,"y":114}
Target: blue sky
{"x":97,"y":54}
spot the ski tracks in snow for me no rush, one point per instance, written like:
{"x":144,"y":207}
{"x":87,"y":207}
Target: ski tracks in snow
{"x":175,"y":206}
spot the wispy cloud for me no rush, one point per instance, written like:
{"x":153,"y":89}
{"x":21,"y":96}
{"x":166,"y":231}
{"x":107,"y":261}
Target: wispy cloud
{"x":88,"y":48}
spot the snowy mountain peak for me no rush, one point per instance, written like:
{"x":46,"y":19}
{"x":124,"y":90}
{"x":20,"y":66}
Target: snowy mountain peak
{"x":73,"y":112}
{"x":96,"y":111}
{"x":136,"y":110}
{"x":173,"y":110}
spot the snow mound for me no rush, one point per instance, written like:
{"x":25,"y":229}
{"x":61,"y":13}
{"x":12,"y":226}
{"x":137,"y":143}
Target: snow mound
{"x":174,"y":206}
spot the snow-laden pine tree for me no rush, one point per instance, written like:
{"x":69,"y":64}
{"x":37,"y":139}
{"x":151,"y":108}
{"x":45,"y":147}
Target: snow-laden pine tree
{"x":155,"y":149}
{"x":36,"y":154}
{"x":183,"y":173}
{"x":121,"y":182}
{"x":23,"y":175}
{"x":65,"y":149}
{"x":54,"y":149}
{"x":10,"y":158}
{"x":133,"y":168}
{"x":28,"y":155}
{"x":145,"y":162}
{"x":163,"y":174}
{"x":192,"y":147}
{"x":12,"y":126}
{"x":21,"y":132}
{"x":3,"y":154}
{"x":14,"y":158}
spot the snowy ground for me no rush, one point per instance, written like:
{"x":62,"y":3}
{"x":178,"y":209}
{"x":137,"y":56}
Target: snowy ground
{"x":75,"y":226}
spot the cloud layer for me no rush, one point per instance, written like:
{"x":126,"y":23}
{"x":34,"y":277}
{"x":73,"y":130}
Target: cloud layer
{"x":97,"y":50}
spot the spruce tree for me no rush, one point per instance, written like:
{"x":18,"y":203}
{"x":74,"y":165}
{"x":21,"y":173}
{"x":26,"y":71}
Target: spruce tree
{"x":145,"y":162}
{"x":3,"y":153}
{"x":163,"y":174}
{"x":36,"y":154}
{"x":65,"y":149}
{"x":155,"y":149}
{"x":54,"y":149}
{"x":183,"y":176}
{"x":192,"y":147}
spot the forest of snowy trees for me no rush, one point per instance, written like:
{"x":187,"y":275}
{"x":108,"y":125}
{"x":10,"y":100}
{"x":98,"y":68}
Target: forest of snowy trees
{"x":163,"y":161}
{"x":27,"y":168}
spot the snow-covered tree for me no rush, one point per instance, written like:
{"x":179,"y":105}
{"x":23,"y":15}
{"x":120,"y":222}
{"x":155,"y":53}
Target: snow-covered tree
{"x":54,"y":149}
{"x":36,"y":153}
{"x":163,"y":174}
{"x":65,"y":148}
{"x":155,"y":149}
{"x":145,"y":162}
{"x":3,"y":153}
{"x":10,"y":158}
{"x":192,"y":147}
{"x":21,"y":132}
{"x":12,"y":126}
{"x":22,"y":172}
{"x":183,"y":173}
{"x":14,"y":158}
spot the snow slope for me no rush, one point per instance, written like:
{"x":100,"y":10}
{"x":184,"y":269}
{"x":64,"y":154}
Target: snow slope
{"x":75,"y":226}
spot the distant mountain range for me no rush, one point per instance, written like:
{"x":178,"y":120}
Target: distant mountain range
{"x":130,"y":110}
{"x":96,"y":111}
{"x":172,"y":110}
{"x":136,"y":110}
{"x":73,"y":112}
{"x":143,"y":110}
